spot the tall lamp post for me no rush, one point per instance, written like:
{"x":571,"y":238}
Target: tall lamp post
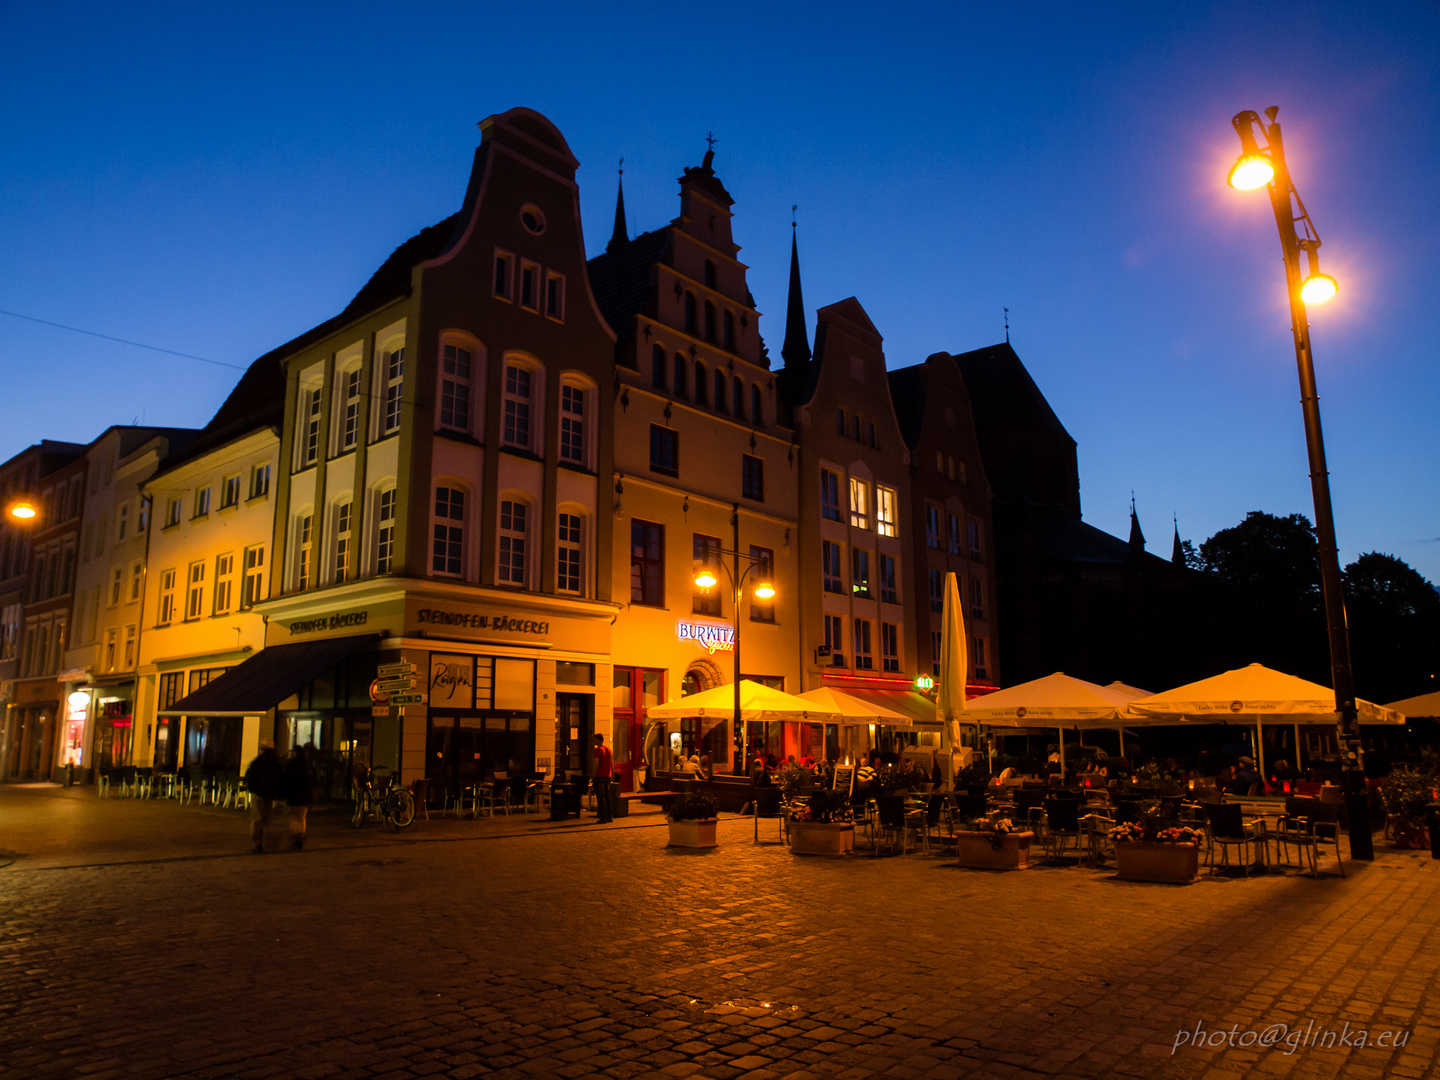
{"x":706,"y":578}
{"x":1264,"y":166}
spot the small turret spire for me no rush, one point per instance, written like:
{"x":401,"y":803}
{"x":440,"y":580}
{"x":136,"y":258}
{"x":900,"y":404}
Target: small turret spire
{"x":796,"y":350}
{"x":619,"y":237}
{"x":1137,"y":538}
{"x":1177,"y":550}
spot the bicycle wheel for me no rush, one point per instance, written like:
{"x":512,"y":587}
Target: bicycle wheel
{"x":402,"y":807}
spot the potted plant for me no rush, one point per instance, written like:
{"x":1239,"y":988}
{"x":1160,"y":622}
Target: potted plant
{"x":897,"y":779}
{"x":823,"y":824}
{"x":1406,"y":793}
{"x":993,"y":843}
{"x":692,"y":819}
{"x":1168,"y":855}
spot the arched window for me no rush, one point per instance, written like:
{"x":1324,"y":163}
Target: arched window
{"x":738,"y":397}
{"x":523,"y":390}
{"x":447,"y":549}
{"x":680,"y":369}
{"x":729,"y":326}
{"x":657,"y":367}
{"x":461,"y":373}
{"x":709,"y":321}
{"x":344,"y":543}
{"x":757,"y":410}
{"x":384,"y":530}
{"x":347,"y":408}
{"x":513,"y":562}
{"x":700,"y":393}
{"x":577,"y":426}
{"x":709,"y":274}
{"x":719,"y":390}
{"x":690,"y":313}
{"x":570,"y":550}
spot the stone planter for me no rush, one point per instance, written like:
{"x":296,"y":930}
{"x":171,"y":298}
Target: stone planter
{"x":817,"y":838}
{"x":974,"y":850}
{"x":694,"y":834}
{"x":1412,"y":835}
{"x":1169,"y":864}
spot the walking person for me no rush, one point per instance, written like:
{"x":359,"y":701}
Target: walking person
{"x":299,"y":793}
{"x":603,"y":775}
{"x":265,"y":782}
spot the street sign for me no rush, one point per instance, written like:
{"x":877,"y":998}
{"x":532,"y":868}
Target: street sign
{"x":390,"y":671}
{"x":389,"y":686}
{"x":379,"y":710}
{"x":407,"y":699}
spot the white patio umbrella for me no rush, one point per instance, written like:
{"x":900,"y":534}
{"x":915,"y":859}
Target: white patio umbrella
{"x":1422,"y":705}
{"x":954,"y":665}
{"x":1251,"y":695}
{"x":1057,"y":700}
{"x":854,"y":717}
{"x":758,"y":702}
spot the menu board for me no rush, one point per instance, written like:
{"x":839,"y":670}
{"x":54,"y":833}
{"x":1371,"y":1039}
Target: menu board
{"x":845,"y":779}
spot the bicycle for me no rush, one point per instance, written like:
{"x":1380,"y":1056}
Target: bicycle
{"x":379,"y":795}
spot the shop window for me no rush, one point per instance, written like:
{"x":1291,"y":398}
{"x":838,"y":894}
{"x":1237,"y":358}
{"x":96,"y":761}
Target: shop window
{"x":448,"y":532}
{"x":889,"y":646}
{"x":860,"y":573}
{"x":706,"y":552}
{"x":829,"y":495}
{"x":647,"y":563}
{"x":254,"y":582}
{"x":752,"y":477}
{"x":568,"y":575}
{"x":888,"y":593}
{"x":859,"y":504}
{"x":514,"y":518}
{"x":830,"y":566}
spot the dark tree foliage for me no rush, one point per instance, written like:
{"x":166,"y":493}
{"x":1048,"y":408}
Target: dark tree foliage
{"x":1394,"y":617}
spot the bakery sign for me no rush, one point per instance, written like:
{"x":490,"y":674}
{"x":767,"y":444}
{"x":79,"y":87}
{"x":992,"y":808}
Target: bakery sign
{"x":340,"y":621}
{"x":477,"y":621}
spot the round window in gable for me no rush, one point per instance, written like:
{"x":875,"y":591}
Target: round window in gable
{"x":532,"y":218}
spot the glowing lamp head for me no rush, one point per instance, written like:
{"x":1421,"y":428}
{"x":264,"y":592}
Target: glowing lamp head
{"x":705,"y":578}
{"x":24,"y":511}
{"x":1318,"y":288}
{"x":1250,"y":172}
{"x":765,"y":590}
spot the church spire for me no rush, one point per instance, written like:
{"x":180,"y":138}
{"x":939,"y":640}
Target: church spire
{"x":1137,"y":538}
{"x":796,"y":349}
{"x":619,"y":237}
{"x":1177,"y":550}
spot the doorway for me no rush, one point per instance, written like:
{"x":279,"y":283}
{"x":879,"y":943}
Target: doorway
{"x":636,"y":690}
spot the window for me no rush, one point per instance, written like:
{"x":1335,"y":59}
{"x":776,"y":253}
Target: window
{"x":863,"y":656}
{"x":885,"y":511}
{"x":555,"y":296}
{"x":707,"y":553}
{"x":385,"y":532}
{"x":839,"y":421}
{"x":860,"y":573}
{"x":142,"y":520}
{"x":937,"y":590}
{"x":709,"y":321}
{"x":690,"y":313}
{"x":977,"y":655}
{"x":952,"y":534}
{"x":130,"y":641}
{"x":309,"y":425}
{"x":122,"y":523}
{"x":572,"y":424}
{"x":757,"y":410}
{"x":682,"y":368}
{"x":935,"y":649}
{"x":762,"y":610}
{"x":202,"y":502}
{"x":254,"y":576}
{"x":647,"y":563}
{"x":738,"y":397}
{"x":110,"y":638}
{"x":887,"y":580}
{"x":349,"y":409}
{"x":195,"y":591}
{"x":259,"y":481}
{"x":870,"y":435}
{"x":517,"y":406}
{"x":449,"y":531}
{"x":932,"y":527}
{"x":137,"y":578}
{"x":393,"y":372}
{"x":173,"y":511}
{"x":752,"y":477}
{"x":728,"y":326}
{"x":567,"y":557}
{"x":304,"y":531}
{"x":455,"y":388}
{"x":117,"y":580}
{"x":974,"y":527}
{"x":224,"y":582}
{"x":701,"y":393}
{"x":859,"y":504}
{"x":835,"y":639}
{"x":960,"y":468}
{"x":977,"y":598}
{"x":830,"y":566}
{"x":829,"y":496}
{"x":513,"y":517}
{"x":720,"y":391}
{"x":664,"y":450}
{"x":343,"y":546}
{"x":502,"y":275}
{"x":709,"y":274}
{"x":889,"y":646}
{"x":940,"y":461}
{"x":855,"y":427}
{"x":529,"y":285}
{"x":657,"y":367}
{"x":230,"y":491}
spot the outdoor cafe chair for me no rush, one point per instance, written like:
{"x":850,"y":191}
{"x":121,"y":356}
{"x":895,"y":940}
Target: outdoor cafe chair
{"x":1309,"y":825}
{"x":768,"y":806}
{"x":1029,"y":806}
{"x":1227,"y":829}
{"x":927,"y":821}
{"x":1062,"y":827}
{"x":890,"y":818}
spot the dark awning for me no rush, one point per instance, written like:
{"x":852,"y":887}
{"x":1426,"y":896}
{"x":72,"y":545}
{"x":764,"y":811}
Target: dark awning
{"x":267,"y":678}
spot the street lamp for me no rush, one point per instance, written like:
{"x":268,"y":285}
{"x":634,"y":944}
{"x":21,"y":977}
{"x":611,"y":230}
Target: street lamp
{"x":706,"y":578}
{"x":23,"y":511}
{"x":1264,"y":166}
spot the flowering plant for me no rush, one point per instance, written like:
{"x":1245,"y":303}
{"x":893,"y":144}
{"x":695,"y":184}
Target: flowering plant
{"x":1180,"y":834}
{"x":1127,"y":831}
{"x":1130,"y":831}
{"x":825,"y":807}
{"x":993,"y":829}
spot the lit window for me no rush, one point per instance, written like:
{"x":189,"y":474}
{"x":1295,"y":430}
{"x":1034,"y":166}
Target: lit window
{"x":567,"y":558}
{"x":859,"y":504}
{"x":449,"y":531}
{"x":829,"y":495}
{"x":394,"y":372}
{"x":513,"y":516}
{"x":517,"y":406}
{"x":860,"y":573}
{"x":863,"y":656}
{"x":349,"y":409}
{"x":830,"y":566}
{"x":304,"y":533}
{"x":385,"y":533}
{"x":889,"y":646}
{"x":572,"y":424}
{"x":343,"y":518}
{"x":885,"y":511}
{"x":224,"y":582}
{"x":455,"y":388}
{"x":195,"y":591}
{"x":254,"y":576}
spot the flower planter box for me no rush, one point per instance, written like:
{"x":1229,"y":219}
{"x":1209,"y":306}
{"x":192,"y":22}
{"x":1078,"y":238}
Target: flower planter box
{"x":974,"y":850}
{"x":818,"y":838}
{"x":1168,"y":864}
{"x":694,"y":834}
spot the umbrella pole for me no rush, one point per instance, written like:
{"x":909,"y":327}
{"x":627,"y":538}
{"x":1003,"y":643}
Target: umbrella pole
{"x":1260,"y":751}
{"x":1122,"y":740}
{"x":1062,"y":750}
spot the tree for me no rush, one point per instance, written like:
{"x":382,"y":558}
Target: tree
{"x":1394,"y":617}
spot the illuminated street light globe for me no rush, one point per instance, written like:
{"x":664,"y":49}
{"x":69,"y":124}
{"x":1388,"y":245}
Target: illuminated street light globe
{"x":1250,"y":172}
{"x":1318,"y":288}
{"x":24,"y":510}
{"x":705,"y":578}
{"x":765,"y":590}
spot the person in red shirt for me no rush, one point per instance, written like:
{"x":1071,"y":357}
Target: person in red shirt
{"x":603,"y":775}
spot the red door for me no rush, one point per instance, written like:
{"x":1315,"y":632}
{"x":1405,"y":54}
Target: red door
{"x":635,"y":691}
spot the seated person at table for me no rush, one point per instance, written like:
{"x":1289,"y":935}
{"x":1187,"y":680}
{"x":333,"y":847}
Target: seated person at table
{"x":707,"y":767}
{"x":1246,"y":779}
{"x":1283,"y":774}
{"x":691,"y":767}
{"x":759,"y":775}
{"x":865,"y":773}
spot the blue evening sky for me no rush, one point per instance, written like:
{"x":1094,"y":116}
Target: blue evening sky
{"x":216,"y":178}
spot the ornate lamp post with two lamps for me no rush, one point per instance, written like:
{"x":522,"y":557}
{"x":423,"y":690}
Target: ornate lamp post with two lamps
{"x":1264,"y":166}
{"x":706,"y":578}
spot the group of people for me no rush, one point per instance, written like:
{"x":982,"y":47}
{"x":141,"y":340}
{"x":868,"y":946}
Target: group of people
{"x":273,"y":782}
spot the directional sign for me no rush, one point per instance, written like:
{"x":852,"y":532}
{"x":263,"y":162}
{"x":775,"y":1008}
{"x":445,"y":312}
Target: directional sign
{"x":407,"y":699}
{"x":391,"y":671}
{"x":379,"y":710}
{"x":389,"y":686}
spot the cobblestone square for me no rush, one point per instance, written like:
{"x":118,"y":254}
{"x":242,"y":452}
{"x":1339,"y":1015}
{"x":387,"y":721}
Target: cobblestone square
{"x":141,"y":939}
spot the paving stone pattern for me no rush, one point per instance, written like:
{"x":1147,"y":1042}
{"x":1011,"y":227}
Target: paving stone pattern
{"x":521,"y":948}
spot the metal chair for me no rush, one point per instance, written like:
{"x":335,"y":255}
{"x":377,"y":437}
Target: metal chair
{"x":767,"y":805}
{"x":928,"y":819}
{"x":1062,"y":827}
{"x":890,"y":817}
{"x":1308,"y":825}
{"x":1227,"y":829}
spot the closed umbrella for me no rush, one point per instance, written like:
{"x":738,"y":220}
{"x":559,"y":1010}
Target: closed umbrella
{"x":954,"y":664}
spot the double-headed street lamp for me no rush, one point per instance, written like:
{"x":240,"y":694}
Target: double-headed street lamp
{"x":706,"y":578}
{"x":1264,"y":166}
